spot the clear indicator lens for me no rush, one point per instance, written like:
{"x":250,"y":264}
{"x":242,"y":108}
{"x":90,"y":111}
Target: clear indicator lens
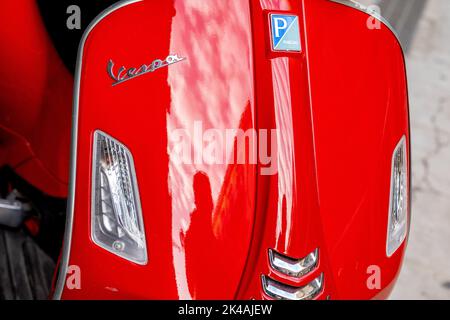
{"x":398,"y":207}
{"x":117,"y":223}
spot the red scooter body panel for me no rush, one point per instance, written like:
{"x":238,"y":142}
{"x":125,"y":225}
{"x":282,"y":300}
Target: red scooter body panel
{"x":35,"y":99}
{"x":196,"y":237}
{"x":340,"y":107}
{"x":350,"y":87}
{"x":360,"y":103}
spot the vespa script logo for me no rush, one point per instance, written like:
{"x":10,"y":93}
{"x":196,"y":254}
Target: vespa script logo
{"x":124,"y":74}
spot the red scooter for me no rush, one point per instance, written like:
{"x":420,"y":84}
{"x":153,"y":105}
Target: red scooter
{"x":238,"y":149}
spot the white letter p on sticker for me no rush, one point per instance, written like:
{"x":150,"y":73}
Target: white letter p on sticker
{"x":279,"y":27}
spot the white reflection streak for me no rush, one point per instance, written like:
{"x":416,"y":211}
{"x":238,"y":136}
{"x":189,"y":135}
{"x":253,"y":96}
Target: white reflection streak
{"x":198,"y":94}
{"x":285,"y":140}
{"x":275,"y":5}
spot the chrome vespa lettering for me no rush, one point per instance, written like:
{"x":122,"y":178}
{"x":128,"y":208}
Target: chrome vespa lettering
{"x":124,"y":74}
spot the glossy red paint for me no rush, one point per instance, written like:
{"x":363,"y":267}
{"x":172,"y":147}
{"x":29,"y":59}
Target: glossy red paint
{"x":357,"y":123}
{"x":193,"y":228}
{"x":340,"y":107}
{"x":35,"y":99}
{"x":349,"y":86}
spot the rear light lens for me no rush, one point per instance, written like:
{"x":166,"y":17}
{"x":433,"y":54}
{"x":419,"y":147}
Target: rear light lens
{"x":398,"y":204}
{"x":117,"y":223}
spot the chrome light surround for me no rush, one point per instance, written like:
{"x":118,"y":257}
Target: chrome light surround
{"x":398,"y":202}
{"x":116,"y":215}
{"x":281,"y":291}
{"x":292,"y":267}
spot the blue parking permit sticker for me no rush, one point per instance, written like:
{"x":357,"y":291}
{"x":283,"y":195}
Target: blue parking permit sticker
{"x":285,"y":33}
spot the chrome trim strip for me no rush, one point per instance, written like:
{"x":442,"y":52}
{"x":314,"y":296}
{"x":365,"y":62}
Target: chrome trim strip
{"x":358,"y":6}
{"x":293,"y":267}
{"x":280,"y":291}
{"x":73,"y":160}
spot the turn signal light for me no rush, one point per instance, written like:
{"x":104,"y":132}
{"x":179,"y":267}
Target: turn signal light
{"x":398,"y":204}
{"x":117,"y":224}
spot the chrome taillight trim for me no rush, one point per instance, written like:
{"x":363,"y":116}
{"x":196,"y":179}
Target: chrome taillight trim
{"x":280,"y":291}
{"x":293,"y":267}
{"x":64,"y":263}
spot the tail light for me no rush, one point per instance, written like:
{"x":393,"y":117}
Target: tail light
{"x":117,"y":224}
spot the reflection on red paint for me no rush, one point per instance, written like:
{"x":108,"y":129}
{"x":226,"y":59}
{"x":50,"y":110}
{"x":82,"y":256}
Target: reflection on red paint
{"x":201,"y":261}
